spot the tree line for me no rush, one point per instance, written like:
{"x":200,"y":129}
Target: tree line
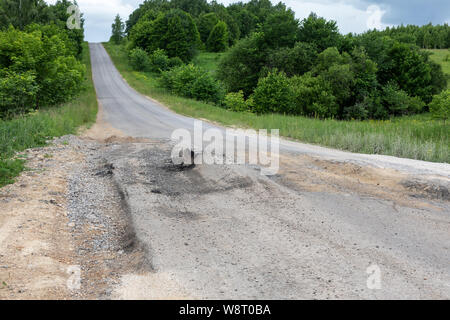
{"x":39,"y":56}
{"x":276,"y":63}
{"x":425,"y":37}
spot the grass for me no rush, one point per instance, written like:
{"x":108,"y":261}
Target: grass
{"x":442,"y":57}
{"x":208,"y":61}
{"x":33,"y":130}
{"x":417,"y":137}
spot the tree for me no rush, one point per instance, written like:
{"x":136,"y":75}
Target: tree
{"x":274,"y":94}
{"x":247,"y":22}
{"x":440,"y":106}
{"x":280,"y":29}
{"x":223,"y":14}
{"x":39,"y":66}
{"x":240,"y":67}
{"x":218,"y":39}
{"x":205,"y":24}
{"x":322,"y":33}
{"x":20,"y":13}
{"x":294,"y":61}
{"x":173,"y":31}
{"x":117,"y":30}
{"x":193,"y":7}
{"x":313,"y":97}
{"x":148,"y":5}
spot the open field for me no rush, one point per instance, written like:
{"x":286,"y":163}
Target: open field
{"x":33,"y":130}
{"x":417,"y":137}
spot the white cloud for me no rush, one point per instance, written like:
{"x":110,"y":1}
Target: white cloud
{"x":99,"y":16}
{"x":375,"y":17}
{"x":348,"y":17}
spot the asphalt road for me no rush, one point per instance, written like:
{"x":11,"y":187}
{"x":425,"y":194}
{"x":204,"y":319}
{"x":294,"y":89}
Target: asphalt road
{"x":227,"y":232}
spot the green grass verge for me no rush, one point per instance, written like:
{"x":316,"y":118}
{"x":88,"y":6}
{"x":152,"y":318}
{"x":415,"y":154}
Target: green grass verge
{"x":417,"y":137}
{"x":442,"y":57}
{"x":33,"y":130}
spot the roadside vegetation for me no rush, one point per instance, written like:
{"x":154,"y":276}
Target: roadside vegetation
{"x":46,"y":88}
{"x":256,"y":65}
{"x":416,"y":137}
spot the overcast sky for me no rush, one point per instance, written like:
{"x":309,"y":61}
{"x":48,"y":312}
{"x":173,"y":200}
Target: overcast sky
{"x":351,"y":15}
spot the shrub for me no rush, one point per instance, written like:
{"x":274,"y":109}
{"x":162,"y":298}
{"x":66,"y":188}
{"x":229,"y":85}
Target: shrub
{"x":313,"y":97}
{"x":280,"y":29}
{"x":37,"y":65}
{"x":235,"y":101}
{"x":17,"y":93}
{"x":274,"y":94}
{"x":139,"y":60}
{"x":359,"y":111}
{"x":175,"y":62}
{"x":192,"y":82}
{"x":159,"y":61}
{"x":440,"y":106}
{"x":398,"y":102}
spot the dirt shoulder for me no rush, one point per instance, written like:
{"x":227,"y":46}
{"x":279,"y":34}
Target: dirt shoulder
{"x":36,"y":248}
{"x":64,"y":229}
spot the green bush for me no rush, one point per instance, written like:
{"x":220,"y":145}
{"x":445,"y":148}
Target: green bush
{"x":398,"y":102}
{"x":159,"y":61}
{"x":17,"y":93}
{"x":313,"y":97}
{"x":193,"y":82}
{"x":440,"y":106}
{"x":235,"y":101}
{"x":274,"y":94}
{"x":38,"y":68}
{"x":139,"y":60}
{"x":357,"y":112}
{"x":175,"y":62}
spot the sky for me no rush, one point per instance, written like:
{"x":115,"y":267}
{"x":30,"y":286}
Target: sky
{"x":351,"y":15}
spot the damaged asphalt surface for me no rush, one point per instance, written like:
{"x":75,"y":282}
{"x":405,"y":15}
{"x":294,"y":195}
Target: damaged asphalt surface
{"x":221,"y":232}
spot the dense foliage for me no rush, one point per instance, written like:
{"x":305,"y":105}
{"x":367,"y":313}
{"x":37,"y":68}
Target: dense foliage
{"x":173,"y":31}
{"x":192,"y":82}
{"x":39,"y":63}
{"x":278,"y":64}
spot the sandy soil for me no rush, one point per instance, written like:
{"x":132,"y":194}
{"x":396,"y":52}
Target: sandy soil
{"x":36,"y":249}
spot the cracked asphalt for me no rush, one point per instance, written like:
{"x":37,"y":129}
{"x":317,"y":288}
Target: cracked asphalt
{"x":310,"y":232}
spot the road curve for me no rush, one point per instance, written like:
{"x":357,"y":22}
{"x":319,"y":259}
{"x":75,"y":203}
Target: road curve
{"x":218,"y":232}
